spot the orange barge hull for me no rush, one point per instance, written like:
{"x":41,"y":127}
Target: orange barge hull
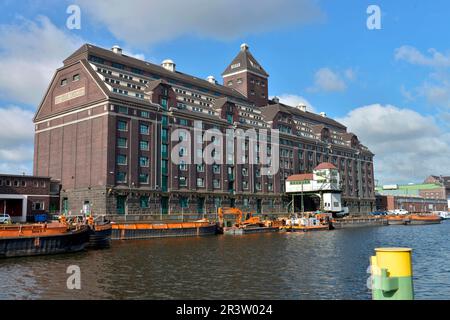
{"x":40,"y":240}
{"x":415,"y":219}
{"x":125,"y":231}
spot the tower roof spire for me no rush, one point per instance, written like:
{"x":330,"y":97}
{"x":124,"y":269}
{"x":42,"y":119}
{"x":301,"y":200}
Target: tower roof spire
{"x":245,"y":61}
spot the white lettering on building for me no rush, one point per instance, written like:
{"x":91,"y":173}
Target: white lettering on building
{"x":70,"y":95}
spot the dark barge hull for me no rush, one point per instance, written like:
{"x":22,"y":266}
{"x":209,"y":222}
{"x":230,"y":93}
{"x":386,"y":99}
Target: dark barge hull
{"x":100,"y":237}
{"x":423,"y":222}
{"x":134,"y":234}
{"x":72,"y":241}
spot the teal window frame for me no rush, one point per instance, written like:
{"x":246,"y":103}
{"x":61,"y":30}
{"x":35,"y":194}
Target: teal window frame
{"x":120,"y":127}
{"x":144,"y":202}
{"x":121,"y":159}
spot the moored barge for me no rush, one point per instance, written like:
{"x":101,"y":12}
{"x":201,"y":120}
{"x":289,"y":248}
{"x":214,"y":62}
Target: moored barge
{"x":398,"y":220}
{"x":42,"y":239}
{"x":133,"y":231}
{"x":319,"y":222}
{"x":416,"y":219}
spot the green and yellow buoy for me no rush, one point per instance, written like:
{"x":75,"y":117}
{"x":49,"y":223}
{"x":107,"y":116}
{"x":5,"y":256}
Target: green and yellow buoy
{"x":391,"y":270}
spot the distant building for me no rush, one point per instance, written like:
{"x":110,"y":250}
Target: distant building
{"x":420,"y":198}
{"x":444,"y":181}
{"x":22,"y":197}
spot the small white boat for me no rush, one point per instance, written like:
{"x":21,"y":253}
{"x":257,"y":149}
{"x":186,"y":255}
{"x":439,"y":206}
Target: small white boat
{"x":444,"y":215}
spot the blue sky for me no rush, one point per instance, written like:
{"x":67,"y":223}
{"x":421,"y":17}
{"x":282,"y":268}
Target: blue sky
{"x":390,"y":86}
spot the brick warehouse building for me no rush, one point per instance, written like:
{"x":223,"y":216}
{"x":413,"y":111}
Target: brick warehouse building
{"x":103,"y":129}
{"x":23,"y":197}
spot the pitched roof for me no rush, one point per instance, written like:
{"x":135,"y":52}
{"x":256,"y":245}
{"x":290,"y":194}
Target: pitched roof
{"x":271,"y":110}
{"x":88,"y":49}
{"x":245,"y":61}
{"x":301,"y":177}
{"x":325,"y":165}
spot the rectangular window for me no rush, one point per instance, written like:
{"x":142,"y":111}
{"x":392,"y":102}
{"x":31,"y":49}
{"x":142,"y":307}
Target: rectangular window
{"x":164,"y":135}
{"x":122,"y":109}
{"x":121,"y":177}
{"x":183,"y":166}
{"x":216,"y":168}
{"x":144,"y":145}
{"x":122,"y":142}
{"x":200,"y":168}
{"x":144,"y":201}
{"x":144,"y":129}
{"x":270,"y":186}
{"x":63,"y":82}
{"x":122,"y":125}
{"x":183,"y":202}
{"x":183,"y":182}
{"x":118,"y":66}
{"x":121,"y":159}
{"x":183,"y":122}
{"x":76,"y":77}
{"x":164,"y":167}
{"x":216,"y":184}
{"x":145,"y":114}
{"x":143,"y":161}
{"x":244,"y":184}
{"x":164,"y":120}
{"x":143,"y":178}
{"x":200,"y":182}
{"x":164,"y":151}
{"x":38,"y":205}
{"x":164,"y":103}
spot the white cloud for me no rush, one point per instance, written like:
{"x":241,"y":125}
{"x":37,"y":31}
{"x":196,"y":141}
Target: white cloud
{"x":143,"y":22}
{"x":407,"y":145}
{"x":30,"y":53}
{"x":327,"y":80}
{"x":350,"y":74}
{"x":435,"y":89}
{"x":16,"y":139}
{"x":414,"y":56}
{"x":294,"y":100}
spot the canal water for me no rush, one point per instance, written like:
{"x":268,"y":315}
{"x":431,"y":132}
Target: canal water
{"x":321,"y":265}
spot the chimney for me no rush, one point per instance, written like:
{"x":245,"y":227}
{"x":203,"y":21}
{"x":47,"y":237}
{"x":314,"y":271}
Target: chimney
{"x":168,"y":65}
{"x":302,"y":107}
{"x":323,"y":114}
{"x":244,"y":47}
{"x":211,"y":79}
{"x":117,"y":50}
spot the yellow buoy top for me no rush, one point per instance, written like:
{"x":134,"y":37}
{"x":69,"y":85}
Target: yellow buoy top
{"x":393,"y":249}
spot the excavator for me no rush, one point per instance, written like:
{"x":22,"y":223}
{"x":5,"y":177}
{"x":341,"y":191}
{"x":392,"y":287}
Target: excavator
{"x":234,"y":220}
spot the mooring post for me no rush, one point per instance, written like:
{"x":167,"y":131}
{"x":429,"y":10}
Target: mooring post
{"x":391,"y":270}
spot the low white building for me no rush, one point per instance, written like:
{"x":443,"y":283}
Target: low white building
{"x":324,"y":183}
